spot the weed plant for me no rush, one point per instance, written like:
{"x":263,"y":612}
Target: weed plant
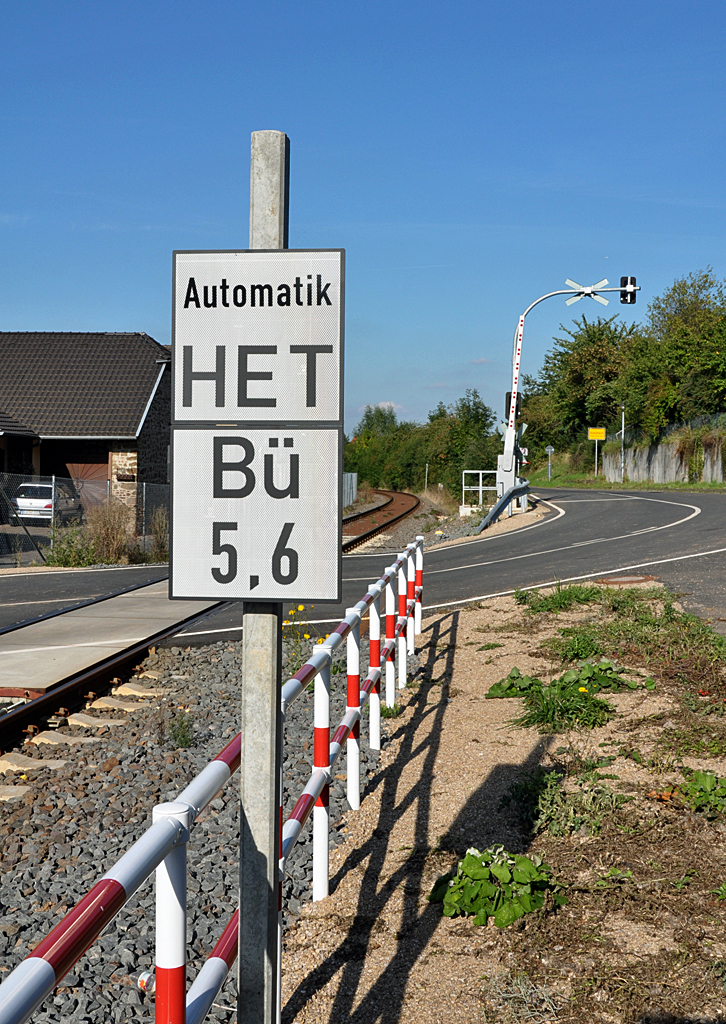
{"x":494,"y":883}
{"x":514,"y":998}
{"x":705,"y":792}
{"x":542,"y":804}
{"x":568,"y":701}
{"x":561,"y":599}
{"x":181,"y":730}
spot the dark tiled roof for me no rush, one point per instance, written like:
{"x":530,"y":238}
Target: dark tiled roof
{"x":78,"y":385}
{"x":10,"y":426}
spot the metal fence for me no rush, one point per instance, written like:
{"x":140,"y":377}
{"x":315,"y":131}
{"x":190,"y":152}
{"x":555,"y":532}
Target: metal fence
{"x":40,"y":513}
{"x":350,"y":488}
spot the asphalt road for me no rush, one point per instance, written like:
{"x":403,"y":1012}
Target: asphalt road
{"x":677,"y":538}
{"x":584,"y":534}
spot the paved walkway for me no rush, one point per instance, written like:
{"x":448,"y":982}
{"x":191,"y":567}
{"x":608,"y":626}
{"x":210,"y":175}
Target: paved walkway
{"x":36,"y":657}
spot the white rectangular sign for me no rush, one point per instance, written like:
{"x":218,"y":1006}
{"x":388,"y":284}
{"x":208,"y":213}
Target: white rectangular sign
{"x":256,"y":513}
{"x":258,"y":336}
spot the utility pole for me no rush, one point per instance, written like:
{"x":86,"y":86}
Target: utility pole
{"x":261,"y":725}
{"x":622,"y":442}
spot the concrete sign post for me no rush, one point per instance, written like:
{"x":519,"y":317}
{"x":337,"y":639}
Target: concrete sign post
{"x":257,"y":493}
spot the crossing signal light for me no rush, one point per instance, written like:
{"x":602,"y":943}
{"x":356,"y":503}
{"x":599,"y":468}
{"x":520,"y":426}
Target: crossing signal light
{"x":508,"y":404}
{"x":627,"y":291}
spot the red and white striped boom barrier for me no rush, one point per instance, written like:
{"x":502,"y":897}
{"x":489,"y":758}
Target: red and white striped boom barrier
{"x":162,"y":848}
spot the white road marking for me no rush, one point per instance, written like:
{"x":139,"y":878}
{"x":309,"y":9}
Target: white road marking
{"x":574,"y":579}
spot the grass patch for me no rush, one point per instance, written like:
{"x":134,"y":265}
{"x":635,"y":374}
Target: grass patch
{"x":494,"y":883}
{"x":393,"y":712}
{"x":560,"y":600}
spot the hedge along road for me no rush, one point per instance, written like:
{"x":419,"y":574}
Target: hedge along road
{"x":677,"y":538}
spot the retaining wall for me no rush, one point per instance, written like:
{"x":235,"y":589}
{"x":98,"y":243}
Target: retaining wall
{"x":662,"y":464}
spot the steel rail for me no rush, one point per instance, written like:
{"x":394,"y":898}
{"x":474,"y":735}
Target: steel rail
{"x":355,"y":516}
{"x":99,"y":674}
{"x":349,"y":545}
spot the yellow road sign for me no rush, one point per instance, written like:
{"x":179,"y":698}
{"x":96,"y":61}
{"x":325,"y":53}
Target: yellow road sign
{"x":596,"y":433}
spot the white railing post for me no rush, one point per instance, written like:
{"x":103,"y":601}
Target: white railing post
{"x":402,"y":593}
{"x":171,"y":921}
{"x":321,"y":759}
{"x":374,"y":661}
{"x":410,"y":597}
{"x":390,"y":635}
{"x":352,"y":704}
{"x":419,"y":584}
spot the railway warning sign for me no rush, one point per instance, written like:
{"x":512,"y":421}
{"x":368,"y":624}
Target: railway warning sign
{"x":257,"y":355}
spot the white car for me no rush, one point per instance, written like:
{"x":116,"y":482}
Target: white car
{"x":35,"y":501}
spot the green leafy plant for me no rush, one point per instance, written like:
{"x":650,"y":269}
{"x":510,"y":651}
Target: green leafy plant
{"x":578,"y":642}
{"x":494,"y":883}
{"x":181,"y":730}
{"x":705,"y":792}
{"x":393,"y":712}
{"x":720,"y":893}
{"x":489,"y":647}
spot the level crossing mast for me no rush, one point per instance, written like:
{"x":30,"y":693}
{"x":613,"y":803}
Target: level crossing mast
{"x":509,"y":462}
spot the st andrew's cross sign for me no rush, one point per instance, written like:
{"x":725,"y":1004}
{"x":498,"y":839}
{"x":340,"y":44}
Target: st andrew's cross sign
{"x":257,"y":410}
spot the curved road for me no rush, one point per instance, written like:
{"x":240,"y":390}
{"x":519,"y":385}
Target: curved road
{"x":679,"y":538}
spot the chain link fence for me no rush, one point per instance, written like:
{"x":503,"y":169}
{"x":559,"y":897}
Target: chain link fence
{"x":65,"y":521}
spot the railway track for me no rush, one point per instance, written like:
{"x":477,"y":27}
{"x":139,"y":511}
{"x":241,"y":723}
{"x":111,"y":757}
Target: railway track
{"x":75,"y":690}
{"x":92,"y":682}
{"x":368,"y":524}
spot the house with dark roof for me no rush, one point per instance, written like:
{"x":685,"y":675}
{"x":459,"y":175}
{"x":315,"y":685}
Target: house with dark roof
{"x":87,"y":406}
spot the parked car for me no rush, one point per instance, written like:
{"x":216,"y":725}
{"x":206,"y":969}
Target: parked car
{"x":35,"y":501}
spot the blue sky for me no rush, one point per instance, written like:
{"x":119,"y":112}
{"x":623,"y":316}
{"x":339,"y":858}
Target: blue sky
{"x":469,"y":157}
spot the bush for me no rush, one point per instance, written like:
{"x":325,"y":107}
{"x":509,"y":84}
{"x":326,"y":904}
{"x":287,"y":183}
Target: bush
{"x":72,"y":547}
{"x":160,"y":534}
{"x":109,"y":527}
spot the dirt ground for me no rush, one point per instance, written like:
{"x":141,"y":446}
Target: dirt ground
{"x":641,"y":940}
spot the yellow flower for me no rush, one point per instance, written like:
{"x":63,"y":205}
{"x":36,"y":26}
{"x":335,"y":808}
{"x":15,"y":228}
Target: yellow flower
{"x":306,"y":636}
{"x":583,"y":689}
{"x":285,"y":622}
{"x":301,"y":607}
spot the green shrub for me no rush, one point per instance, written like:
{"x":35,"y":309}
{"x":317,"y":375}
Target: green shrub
{"x":494,"y":883}
{"x":72,"y":547}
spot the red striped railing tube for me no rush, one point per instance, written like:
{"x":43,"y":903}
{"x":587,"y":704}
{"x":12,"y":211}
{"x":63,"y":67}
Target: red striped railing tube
{"x":402,"y":594}
{"x":419,"y":584}
{"x":171,"y":922}
{"x":390,"y":636}
{"x":215,"y":969}
{"x":321,"y":760}
{"x":353,"y":704}
{"x":374,"y":662}
{"x":410,"y":597}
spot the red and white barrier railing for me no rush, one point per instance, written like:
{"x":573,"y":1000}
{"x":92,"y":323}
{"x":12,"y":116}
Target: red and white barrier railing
{"x":162,"y":848}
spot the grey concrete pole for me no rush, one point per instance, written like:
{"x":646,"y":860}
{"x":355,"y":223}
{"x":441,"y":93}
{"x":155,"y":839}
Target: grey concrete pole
{"x":258,"y":961}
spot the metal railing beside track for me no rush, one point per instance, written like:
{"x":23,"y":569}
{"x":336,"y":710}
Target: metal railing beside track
{"x":162,"y":848}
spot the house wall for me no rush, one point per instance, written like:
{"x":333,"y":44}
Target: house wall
{"x":155,"y":435}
